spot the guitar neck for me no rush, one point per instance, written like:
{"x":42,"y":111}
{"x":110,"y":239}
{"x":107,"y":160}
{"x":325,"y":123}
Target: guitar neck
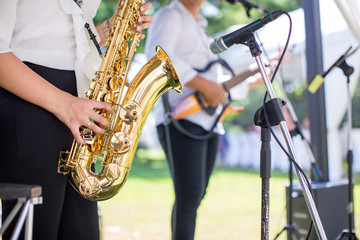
{"x":239,"y":78}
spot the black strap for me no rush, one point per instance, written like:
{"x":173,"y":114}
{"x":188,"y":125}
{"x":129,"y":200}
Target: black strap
{"x":177,"y":124}
{"x":87,"y":26}
{"x":220,"y":61}
{"x":223,"y":63}
{"x":78,"y":2}
{"x":93,"y":38}
{"x":180,"y":128}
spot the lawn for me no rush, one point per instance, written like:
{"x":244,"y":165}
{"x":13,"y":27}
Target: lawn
{"x":231,"y":209}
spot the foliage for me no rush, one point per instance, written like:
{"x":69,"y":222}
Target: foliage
{"x":220,"y":14}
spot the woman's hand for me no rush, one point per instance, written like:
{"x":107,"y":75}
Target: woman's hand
{"x":79,"y":112}
{"x":143,"y":21}
{"x":214,"y":93}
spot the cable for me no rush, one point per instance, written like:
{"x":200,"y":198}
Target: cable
{"x":269,"y":125}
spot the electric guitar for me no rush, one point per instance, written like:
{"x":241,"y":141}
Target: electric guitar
{"x":196,"y":102}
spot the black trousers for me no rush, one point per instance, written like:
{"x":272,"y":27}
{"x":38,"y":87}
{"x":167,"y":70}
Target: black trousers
{"x":191,"y":163}
{"x":30,"y":143}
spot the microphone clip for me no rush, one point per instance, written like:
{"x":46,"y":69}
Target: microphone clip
{"x":249,"y":40}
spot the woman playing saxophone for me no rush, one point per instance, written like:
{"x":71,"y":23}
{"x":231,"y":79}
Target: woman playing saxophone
{"x":46,"y":63}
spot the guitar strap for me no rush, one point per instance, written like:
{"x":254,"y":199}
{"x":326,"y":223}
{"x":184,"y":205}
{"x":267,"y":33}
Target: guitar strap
{"x":220,"y":61}
{"x":177,"y":124}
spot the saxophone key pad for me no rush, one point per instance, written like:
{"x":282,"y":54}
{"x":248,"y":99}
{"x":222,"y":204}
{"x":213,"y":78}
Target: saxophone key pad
{"x":90,"y":187}
{"x":87,"y":135}
{"x":112,"y":171}
{"x":129,"y":113}
{"x":120,"y":142}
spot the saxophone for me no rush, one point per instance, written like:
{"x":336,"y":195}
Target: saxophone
{"x":99,"y":168}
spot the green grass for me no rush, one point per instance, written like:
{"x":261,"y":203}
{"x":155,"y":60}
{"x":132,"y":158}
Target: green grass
{"x":231,"y":209}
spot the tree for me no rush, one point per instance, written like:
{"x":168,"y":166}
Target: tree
{"x":220,"y":14}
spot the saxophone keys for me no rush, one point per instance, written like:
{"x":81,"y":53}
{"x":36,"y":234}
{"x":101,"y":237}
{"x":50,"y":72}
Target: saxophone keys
{"x":129,"y":113}
{"x":120,"y":142}
{"x":97,"y":145}
{"x":90,"y":186}
{"x":87,"y":135}
{"x":109,"y":97}
{"x":124,"y":49}
{"x":62,"y":163}
{"x":113,"y":83}
{"x":120,"y":65}
{"x":112,"y":171}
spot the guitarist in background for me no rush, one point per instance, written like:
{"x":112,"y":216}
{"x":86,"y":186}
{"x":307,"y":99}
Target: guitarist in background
{"x":190,"y":144}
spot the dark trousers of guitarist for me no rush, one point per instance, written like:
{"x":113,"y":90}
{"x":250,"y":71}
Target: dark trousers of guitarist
{"x":191,"y":162}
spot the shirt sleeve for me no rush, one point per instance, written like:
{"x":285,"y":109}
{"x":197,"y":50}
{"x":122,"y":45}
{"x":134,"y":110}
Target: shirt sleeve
{"x":165,"y":31}
{"x":7,"y":23}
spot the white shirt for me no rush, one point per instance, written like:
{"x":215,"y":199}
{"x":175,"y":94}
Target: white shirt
{"x":51,"y":34}
{"x":183,"y":38}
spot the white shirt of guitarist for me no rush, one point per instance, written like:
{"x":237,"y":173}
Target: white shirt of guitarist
{"x":183,"y":38}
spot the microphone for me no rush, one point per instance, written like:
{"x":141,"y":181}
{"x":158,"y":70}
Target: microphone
{"x":223,"y":43}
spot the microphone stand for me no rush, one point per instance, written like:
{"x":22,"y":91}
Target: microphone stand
{"x":290,"y":227}
{"x":250,"y":41}
{"x":315,"y":169}
{"x":349,"y":233}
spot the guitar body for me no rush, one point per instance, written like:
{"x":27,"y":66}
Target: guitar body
{"x":196,"y":102}
{"x":191,"y":105}
{"x":186,"y":107}
{"x":204,"y":104}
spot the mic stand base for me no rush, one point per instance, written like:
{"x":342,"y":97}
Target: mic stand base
{"x":346,"y":234}
{"x":290,"y":228}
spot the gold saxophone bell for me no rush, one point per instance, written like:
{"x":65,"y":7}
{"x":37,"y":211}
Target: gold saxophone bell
{"x":114,"y":150}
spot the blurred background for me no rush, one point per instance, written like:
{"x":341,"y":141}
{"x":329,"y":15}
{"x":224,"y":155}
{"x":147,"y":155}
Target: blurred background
{"x":232,"y":206}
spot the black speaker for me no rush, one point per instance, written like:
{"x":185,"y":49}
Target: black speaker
{"x":331,"y":200}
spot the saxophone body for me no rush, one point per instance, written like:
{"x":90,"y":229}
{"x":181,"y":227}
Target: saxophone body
{"x":112,"y":152}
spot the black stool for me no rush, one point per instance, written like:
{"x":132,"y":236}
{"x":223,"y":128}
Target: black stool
{"x":27,"y":196}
